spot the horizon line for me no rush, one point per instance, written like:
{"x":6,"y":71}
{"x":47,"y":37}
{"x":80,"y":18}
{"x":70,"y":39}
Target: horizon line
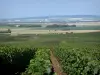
{"x":46,"y":16}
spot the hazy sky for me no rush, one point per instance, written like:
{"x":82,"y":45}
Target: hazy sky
{"x":31,"y":8}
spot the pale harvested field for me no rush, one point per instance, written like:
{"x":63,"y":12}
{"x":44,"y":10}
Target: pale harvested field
{"x":86,"y":23}
{"x":28,"y":31}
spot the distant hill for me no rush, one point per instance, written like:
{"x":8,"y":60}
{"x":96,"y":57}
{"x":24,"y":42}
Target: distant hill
{"x":56,"y":18}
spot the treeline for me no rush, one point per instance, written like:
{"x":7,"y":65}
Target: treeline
{"x":25,"y":25}
{"x":30,"y":26}
{"x":58,"y":26}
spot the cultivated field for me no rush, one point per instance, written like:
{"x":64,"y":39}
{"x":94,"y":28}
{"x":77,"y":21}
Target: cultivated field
{"x":29,"y":51}
{"x":29,"y":54}
{"x":41,"y":30}
{"x":30,"y":31}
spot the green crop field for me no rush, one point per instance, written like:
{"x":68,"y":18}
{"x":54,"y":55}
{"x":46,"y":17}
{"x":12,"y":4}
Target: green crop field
{"x":29,"y":54}
{"x":79,"y":54}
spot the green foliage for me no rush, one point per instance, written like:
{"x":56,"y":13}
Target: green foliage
{"x":79,"y":61}
{"x":80,"y":56}
{"x":40,"y":64}
{"x":15,"y":59}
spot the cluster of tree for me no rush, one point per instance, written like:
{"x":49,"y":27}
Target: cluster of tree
{"x":30,"y":26}
{"x":56,"y":26}
{"x":13,"y":25}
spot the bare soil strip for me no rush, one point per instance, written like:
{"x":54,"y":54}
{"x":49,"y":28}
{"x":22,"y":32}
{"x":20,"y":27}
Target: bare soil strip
{"x":56,"y":65}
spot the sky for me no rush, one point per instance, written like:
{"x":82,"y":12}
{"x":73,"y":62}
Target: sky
{"x":36,"y":8}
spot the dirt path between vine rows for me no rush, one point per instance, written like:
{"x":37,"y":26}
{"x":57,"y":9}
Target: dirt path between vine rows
{"x":56,"y":65}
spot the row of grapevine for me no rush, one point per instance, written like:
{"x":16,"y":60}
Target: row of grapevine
{"x":14,"y":59}
{"x":25,"y":60}
{"x":76,"y":60}
{"x":40,"y":64}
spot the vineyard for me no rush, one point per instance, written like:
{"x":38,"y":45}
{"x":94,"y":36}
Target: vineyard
{"x":80,"y":56}
{"x":15,"y":60}
{"x":77,"y":54}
